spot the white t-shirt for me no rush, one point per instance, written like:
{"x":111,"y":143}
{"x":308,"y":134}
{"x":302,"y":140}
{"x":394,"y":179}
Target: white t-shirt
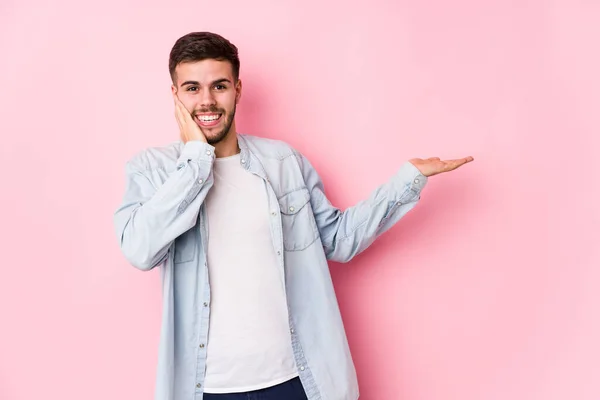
{"x":249,"y":343}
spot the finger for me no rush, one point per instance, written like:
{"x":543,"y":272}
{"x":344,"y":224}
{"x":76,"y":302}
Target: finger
{"x":178,"y":115}
{"x":185,"y":114}
{"x":176,"y":99}
{"x":453,"y":164}
{"x":463,"y":161}
{"x":179,"y":123}
{"x":179,"y":118}
{"x":182,"y":109}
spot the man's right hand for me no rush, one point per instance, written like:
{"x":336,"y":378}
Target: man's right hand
{"x":188,"y":128}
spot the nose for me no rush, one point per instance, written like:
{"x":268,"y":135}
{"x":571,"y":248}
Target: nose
{"x":207,"y":99}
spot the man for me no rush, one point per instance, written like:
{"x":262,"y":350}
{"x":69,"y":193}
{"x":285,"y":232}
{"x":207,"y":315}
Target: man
{"x":242,"y":231}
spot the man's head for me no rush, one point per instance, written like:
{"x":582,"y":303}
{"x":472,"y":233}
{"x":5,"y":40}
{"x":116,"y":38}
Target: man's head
{"x":204,"y":69}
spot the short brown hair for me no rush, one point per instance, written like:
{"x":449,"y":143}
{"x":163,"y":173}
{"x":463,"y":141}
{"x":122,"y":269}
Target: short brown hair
{"x":198,"y":46}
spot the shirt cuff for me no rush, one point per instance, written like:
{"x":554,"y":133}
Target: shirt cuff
{"x":409,"y":175}
{"x":196,"y":150}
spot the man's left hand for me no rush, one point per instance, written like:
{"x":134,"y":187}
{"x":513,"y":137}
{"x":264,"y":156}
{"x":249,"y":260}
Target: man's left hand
{"x":433,"y":166}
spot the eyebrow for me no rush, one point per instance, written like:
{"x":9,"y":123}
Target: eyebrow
{"x":196,"y":83}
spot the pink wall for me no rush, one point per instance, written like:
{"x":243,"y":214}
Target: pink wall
{"x":486,"y":291}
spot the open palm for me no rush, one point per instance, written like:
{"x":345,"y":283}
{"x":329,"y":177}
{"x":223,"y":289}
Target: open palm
{"x":433,"y":166}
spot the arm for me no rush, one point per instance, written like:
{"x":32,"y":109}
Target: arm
{"x":149,"y":219}
{"x":347,"y":233}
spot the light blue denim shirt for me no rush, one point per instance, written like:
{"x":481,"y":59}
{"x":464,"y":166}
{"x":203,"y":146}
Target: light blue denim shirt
{"x":162,"y":222}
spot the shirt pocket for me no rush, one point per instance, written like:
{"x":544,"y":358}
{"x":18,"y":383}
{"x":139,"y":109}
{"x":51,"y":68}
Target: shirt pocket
{"x":185,"y":247}
{"x":297,"y":220}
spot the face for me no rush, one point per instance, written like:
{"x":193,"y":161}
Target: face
{"x":208,"y":90}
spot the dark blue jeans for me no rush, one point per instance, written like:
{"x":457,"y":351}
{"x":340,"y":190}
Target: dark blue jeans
{"x":290,"y":390}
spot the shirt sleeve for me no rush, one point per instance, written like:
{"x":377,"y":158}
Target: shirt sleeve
{"x":346,"y":233}
{"x":150,"y":218}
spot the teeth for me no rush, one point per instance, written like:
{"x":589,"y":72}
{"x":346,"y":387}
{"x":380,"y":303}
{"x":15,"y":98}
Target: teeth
{"x":209,"y":118}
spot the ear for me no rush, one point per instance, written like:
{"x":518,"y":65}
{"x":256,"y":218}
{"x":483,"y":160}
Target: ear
{"x":173,"y":89}
{"x":238,"y":91}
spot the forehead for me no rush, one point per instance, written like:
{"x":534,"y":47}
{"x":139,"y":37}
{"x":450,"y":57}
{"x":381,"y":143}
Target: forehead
{"x":205,"y":71}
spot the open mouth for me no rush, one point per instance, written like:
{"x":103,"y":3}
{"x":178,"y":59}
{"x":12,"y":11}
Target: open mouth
{"x":208,"y":119}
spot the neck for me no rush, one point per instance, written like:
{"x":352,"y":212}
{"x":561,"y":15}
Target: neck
{"x":229,"y":145}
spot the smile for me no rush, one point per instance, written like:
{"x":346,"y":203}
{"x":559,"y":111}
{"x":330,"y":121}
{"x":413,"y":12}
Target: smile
{"x":208,"y":119}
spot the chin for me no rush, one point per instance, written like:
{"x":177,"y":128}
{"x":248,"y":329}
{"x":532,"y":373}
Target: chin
{"x":214,"y":139}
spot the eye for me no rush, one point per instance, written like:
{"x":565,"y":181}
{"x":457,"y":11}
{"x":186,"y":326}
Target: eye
{"x":220,"y":87}
{"x":192,"y":89}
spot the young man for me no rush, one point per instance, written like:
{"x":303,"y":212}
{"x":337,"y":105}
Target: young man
{"x":242,"y":231}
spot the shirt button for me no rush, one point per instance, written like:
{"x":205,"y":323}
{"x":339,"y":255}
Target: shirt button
{"x":273,"y":213}
{"x":243,"y":161}
{"x":292,"y":330}
{"x":201,"y":345}
{"x":199,"y":180}
{"x":417,"y":180}
{"x":292,"y":209}
{"x":205,"y":304}
{"x":302,"y":368}
{"x":278,"y":253}
{"x":198,"y":386}
{"x":208,"y":154}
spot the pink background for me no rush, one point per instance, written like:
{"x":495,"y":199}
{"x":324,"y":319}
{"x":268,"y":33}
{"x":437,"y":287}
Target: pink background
{"x":488,"y":290}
